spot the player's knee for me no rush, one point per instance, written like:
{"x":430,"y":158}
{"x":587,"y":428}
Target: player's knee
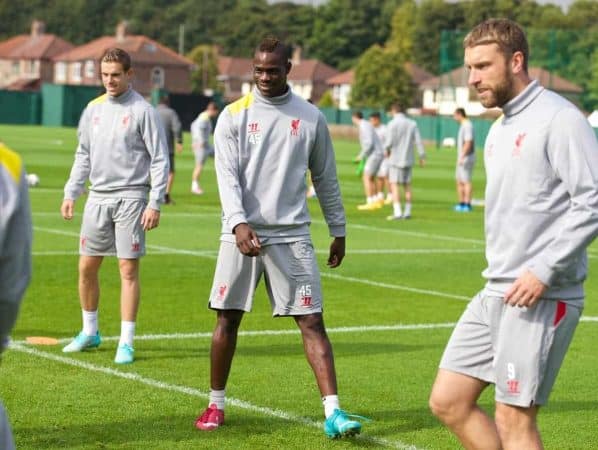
{"x":515,"y":420}
{"x":447,"y":408}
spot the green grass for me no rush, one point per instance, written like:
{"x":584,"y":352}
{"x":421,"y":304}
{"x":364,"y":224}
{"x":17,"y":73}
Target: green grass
{"x":85,"y":401}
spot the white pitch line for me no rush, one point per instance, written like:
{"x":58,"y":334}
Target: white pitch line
{"x":131,"y":376}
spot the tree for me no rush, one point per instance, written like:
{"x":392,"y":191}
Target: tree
{"x":381,"y":79}
{"x":403,"y":30}
{"x":205,"y":72}
{"x":593,"y":84}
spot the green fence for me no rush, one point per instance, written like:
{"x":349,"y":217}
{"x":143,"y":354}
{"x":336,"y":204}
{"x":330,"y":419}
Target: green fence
{"x":431,"y":128}
{"x":63,"y":104}
{"x":20,"y":107}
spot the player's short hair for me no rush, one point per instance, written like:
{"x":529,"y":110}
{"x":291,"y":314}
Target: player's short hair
{"x":396,"y":106}
{"x":211,"y":105}
{"x":271,"y":44}
{"x":165,"y":99}
{"x":505,"y":33}
{"x":375,"y":115}
{"x":461,"y":112}
{"x":357,"y":114}
{"x":117,"y":55}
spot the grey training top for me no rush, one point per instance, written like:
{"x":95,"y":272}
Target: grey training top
{"x":541,"y":162}
{"x":368,"y":140}
{"x":122,"y":150}
{"x":465,"y":134}
{"x":15,"y":239}
{"x":172,"y":126}
{"x":264,"y":147}
{"x":402,"y":136}
{"x":201,"y":128}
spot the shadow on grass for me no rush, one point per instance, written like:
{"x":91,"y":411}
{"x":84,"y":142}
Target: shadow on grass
{"x":178,"y":430}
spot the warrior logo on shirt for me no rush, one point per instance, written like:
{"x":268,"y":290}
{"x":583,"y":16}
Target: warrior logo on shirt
{"x":512,"y":382}
{"x":295,"y":127}
{"x":125,"y":121}
{"x":135,"y":244}
{"x":519,"y":144}
{"x":255,"y":135}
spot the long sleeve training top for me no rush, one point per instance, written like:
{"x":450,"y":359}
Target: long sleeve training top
{"x":122,"y":150}
{"x":264,"y":147}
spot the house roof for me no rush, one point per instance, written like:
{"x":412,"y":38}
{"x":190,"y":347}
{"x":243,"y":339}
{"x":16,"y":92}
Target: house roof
{"x":141,"y":48}
{"x":234,"y":67}
{"x":26,"y":46}
{"x":459,"y":76}
{"x":418,"y":75}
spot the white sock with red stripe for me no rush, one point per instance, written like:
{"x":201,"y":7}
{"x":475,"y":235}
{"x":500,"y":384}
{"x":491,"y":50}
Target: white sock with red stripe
{"x":217,"y":398}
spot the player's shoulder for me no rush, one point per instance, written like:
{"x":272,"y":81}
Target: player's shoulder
{"x":240,"y":105}
{"x":11,"y":162}
{"x":98,"y":100}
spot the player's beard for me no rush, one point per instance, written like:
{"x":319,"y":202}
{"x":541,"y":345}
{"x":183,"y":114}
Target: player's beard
{"x":501,"y":93}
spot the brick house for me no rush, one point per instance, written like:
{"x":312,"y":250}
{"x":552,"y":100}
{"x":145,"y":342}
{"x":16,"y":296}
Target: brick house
{"x":154,"y":65}
{"x":26,"y":60}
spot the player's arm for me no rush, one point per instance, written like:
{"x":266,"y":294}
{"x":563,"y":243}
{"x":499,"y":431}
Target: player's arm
{"x":155,"y":144}
{"x":322,"y":166}
{"x":15,"y":261}
{"x":226,"y":162}
{"x":573,"y":155}
{"x":420,"y":147}
{"x":81,"y":168}
{"x":177,"y":131}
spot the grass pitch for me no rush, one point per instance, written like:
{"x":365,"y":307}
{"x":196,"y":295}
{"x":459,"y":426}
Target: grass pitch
{"x":389,"y":309}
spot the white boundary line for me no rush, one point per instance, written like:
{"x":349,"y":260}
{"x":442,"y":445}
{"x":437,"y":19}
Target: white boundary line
{"x":195,"y":393}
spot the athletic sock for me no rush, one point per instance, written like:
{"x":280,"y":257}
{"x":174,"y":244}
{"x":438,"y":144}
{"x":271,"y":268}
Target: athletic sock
{"x":397,"y":209}
{"x":194,"y":185}
{"x":90,"y":322}
{"x":407,"y":209}
{"x":217,"y":398}
{"x":330,"y":404}
{"x":380,"y":196}
{"x":371,"y":200}
{"x":127,"y":332}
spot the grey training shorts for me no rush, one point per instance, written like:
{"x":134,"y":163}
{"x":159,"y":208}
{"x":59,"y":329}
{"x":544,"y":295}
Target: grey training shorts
{"x":290,"y":271}
{"x":384,"y":167}
{"x":372,"y":164}
{"x":519,"y":350}
{"x":464,"y":172}
{"x":202,"y":153}
{"x":401,"y":175}
{"x":112,"y":226}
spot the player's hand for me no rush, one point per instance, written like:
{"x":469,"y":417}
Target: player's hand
{"x":357,"y":159}
{"x":422,"y":163}
{"x":337,"y":252}
{"x":179,"y":148}
{"x":525,"y":291}
{"x":247,"y":241}
{"x":67,"y":208}
{"x":150,"y":219}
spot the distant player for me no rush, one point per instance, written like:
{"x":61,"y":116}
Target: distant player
{"x":371,"y":157}
{"x":465,"y":160}
{"x":382,"y":183}
{"x":123,"y":153}
{"x":15,"y":255}
{"x":402,"y":138}
{"x":541,"y":160}
{"x":174,"y":139}
{"x":265,"y":143}
{"x":201,"y":129}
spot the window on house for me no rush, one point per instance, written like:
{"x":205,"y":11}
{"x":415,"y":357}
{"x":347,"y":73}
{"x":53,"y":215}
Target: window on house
{"x":76,"y":72}
{"x":157,"y":77}
{"x":90,"y":69}
{"x":16,"y":68}
{"x":60,"y":72}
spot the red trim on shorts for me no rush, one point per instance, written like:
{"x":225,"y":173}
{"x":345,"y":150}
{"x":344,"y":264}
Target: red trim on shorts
{"x":561,"y":311}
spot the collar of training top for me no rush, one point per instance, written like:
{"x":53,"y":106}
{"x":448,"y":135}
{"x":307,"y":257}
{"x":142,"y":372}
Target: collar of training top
{"x":519,"y":103}
{"x":122,"y":97}
{"x":281,"y":99}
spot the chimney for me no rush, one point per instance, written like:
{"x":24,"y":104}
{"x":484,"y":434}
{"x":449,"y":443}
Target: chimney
{"x":296,"y":58}
{"x":37,"y":28}
{"x":121,"y":30}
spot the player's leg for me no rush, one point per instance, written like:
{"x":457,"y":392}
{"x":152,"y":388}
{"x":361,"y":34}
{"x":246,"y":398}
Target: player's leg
{"x":170,"y":180}
{"x":454,"y":401}
{"x":294,"y":288}
{"x":96,"y":240}
{"x":235,"y":278}
{"x":200,"y":158}
{"x":393,"y":179}
{"x":466,"y":368}
{"x":517,"y":427}
{"x":130,"y":247}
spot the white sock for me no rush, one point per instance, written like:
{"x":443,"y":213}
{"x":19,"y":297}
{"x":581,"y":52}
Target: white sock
{"x":194,"y":185}
{"x":127,"y":332}
{"x":380,"y":196}
{"x":330,"y":404}
{"x":217,"y":398}
{"x":407,"y":209}
{"x":397,"y":209}
{"x":90,"y":322}
{"x":371,"y":200}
